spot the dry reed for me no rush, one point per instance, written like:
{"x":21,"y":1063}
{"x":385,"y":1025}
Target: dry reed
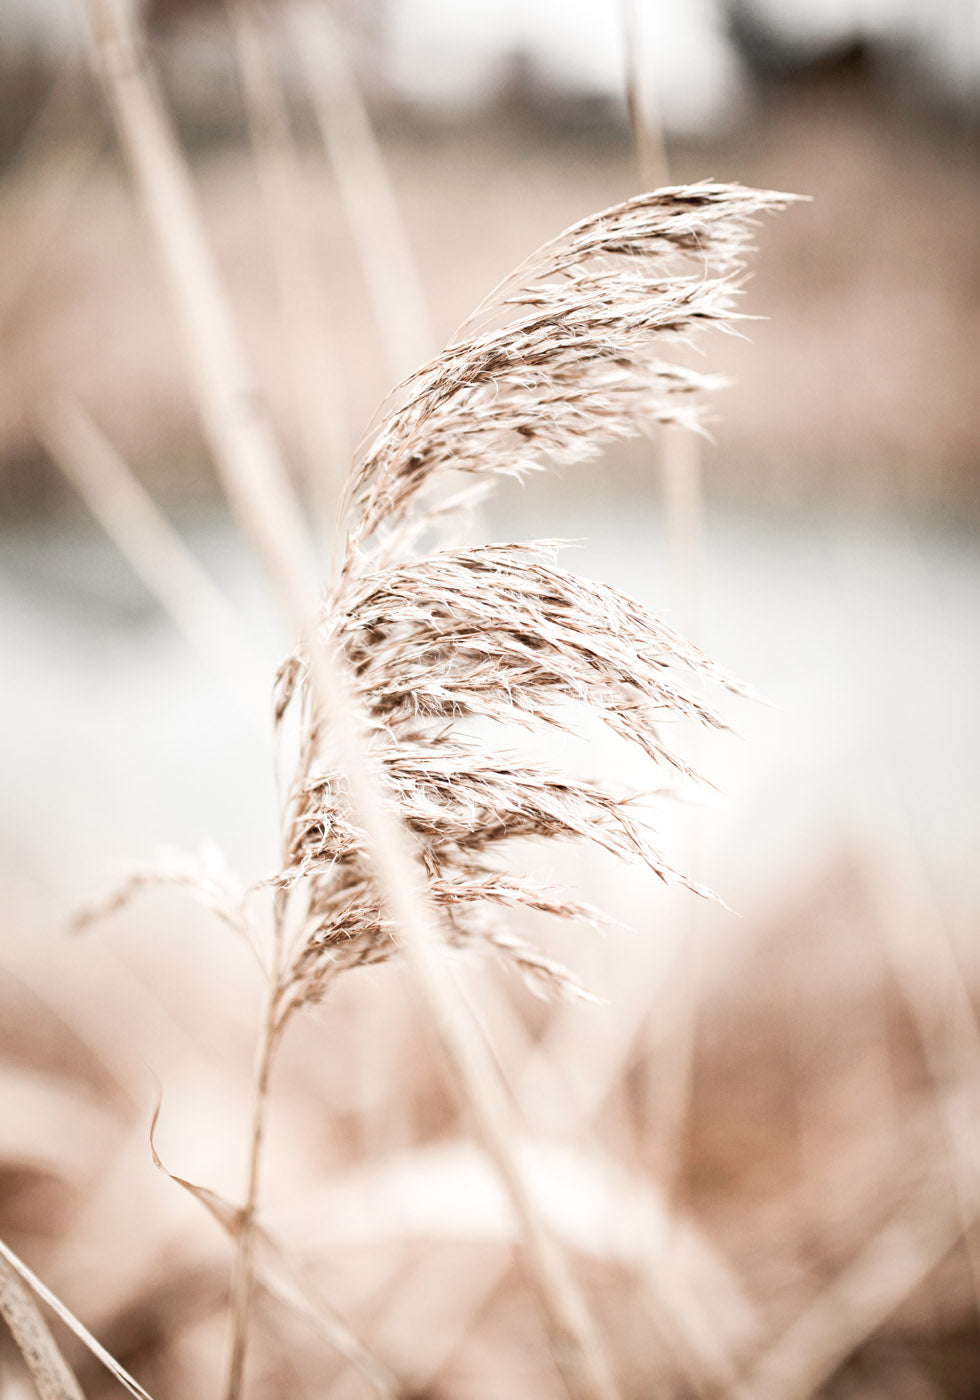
{"x":48,"y":1368}
{"x":251,"y":472}
{"x":50,"y":1372}
{"x":565,"y":356}
{"x":450,"y":650}
{"x":806,"y":1332}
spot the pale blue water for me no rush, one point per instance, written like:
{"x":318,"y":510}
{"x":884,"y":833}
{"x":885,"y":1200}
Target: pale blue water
{"x":861,"y":631}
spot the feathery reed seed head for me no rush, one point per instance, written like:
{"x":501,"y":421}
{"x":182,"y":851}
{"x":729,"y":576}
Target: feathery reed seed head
{"x":564,"y":357}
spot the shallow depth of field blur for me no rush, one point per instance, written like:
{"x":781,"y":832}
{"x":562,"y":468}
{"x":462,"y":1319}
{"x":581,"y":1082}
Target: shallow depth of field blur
{"x":760,"y":1146}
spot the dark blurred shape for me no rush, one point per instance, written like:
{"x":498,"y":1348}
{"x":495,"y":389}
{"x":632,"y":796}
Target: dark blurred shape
{"x":775,"y":56}
{"x":525,"y":103}
{"x":895,"y":65}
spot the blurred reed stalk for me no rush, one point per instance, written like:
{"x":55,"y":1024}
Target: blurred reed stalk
{"x":923,"y":958}
{"x":680,"y":454}
{"x":144,"y":536}
{"x":284,"y":189}
{"x":883,"y":1274}
{"x":391,"y":275}
{"x":49,"y":1371}
{"x":63,"y":140}
{"x":670,"y":1057}
{"x":255,"y":482}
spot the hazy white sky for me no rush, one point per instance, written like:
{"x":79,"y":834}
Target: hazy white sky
{"x":453,"y":51}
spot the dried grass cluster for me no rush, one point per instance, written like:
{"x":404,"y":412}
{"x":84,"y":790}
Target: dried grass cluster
{"x":450,"y":649}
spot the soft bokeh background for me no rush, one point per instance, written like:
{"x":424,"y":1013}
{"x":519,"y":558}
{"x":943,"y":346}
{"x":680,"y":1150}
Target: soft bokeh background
{"x":761,"y":1145}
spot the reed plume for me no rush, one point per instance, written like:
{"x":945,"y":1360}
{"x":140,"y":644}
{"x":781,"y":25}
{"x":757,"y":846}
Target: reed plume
{"x":444,"y":651}
{"x":451,"y":648}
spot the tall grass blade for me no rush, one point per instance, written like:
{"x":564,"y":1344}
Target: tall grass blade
{"x":47,"y":1357}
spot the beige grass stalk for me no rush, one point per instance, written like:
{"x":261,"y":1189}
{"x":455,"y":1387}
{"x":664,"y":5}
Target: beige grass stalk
{"x":680,"y":452}
{"x":373,"y":215}
{"x":285,"y":198}
{"x":887,"y":1270}
{"x":32,"y":1336}
{"x":669,"y":1084}
{"x":255,"y":482}
{"x":679,"y":1271}
{"x":50,"y":1372}
{"x":141,"y":532}
{"x":645,"y":117}
{"x":921,"y":952}
{"x":63,"y":142}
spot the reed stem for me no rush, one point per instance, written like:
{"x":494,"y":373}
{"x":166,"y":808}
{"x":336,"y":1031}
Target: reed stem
{"x":49,"y":1370}
{"x":258,"y":490}
{"x":243,"y":1272}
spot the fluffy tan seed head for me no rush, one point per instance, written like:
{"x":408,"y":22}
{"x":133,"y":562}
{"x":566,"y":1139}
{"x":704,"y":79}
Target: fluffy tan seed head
{"x":564,"y":357}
